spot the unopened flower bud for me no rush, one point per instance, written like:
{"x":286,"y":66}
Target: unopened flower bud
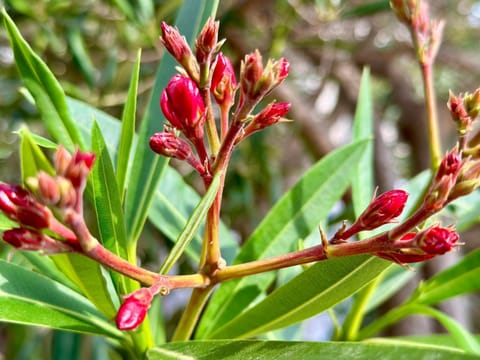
{"x":206,"y":42}
{"x":224,"y":82}
{"x":271,"y":114}
{"x":74,"y":167}
{"x":437,"y":240}
{"x":256,"y":81}
{"x":382,"y":210}
{"x":170,"y":145}
{"x":134,"y":309}
{"x":467,"y":181}
{"x":178,"y":47}
{"x":459,"y":113}
{"x":183,"y":106}
{"x":438,"y":194}
{"x":472,"y":103}
{"x":48,"y":190}
{"x":31,"y":240}
{"x":20,"y":206}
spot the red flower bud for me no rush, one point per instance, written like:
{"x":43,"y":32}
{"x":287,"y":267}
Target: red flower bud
{"x":382,"y":210}
{"x":206,"y":42}
{"x":224,"y":82}
{"x":31,"y":240}
{"x":178,"y":47}
{"x":170,"y":145}
{"x":20,"y":206}
{"x":134,"y":309}
{"x":75,"y":168}
{"x":271,"y":114}
{"x":437,"y":240}
{"x":183,"y":106}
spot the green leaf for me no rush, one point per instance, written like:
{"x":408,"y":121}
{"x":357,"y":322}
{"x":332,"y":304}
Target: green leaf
{"x":45,"y":89}
{"x":329,"y":282}
{"x":108,"y":208}
{"x":192,"y":226}
{"x":459,"y":279}
{"x":32,"y":299}
{"x":80,"y":54}
{"x":32,"y":159}
{"x":148,"y":167}
{"x":362,"y":181}
{"x":287,"y":350}
{"x":128,"y":129}
{"x":295,"y":216}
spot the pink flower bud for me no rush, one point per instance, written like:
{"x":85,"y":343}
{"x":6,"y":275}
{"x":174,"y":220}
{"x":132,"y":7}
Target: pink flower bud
{"x":224,"y":82}
{"x":206,"y":42}
{"x":183,"y":106}
{"x":134,"y":309}
{"x":256,"y":81}
{"x":459,"y":113}
{"x":437,"y":240}
{"x":31,"y":240}
{"x":178,"y":47}
{"x":271,"y":114}
{"x":170,"y":145}
{"x":382,"y":210}
{"x":20,"y":206}
{"x":75,"y":168}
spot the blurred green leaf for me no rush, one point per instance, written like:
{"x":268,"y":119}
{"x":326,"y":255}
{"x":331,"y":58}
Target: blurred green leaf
{"x":80,"y":54}
{"x":461,"y":278}
{"x":366,"y":9}
{"x":128,"y":129}
{"x":288,"y":350}
{"x":45,"y":89}
{"x":294,"y":217}
{"x":32,"y":299}
{"x":329,"y":282}
{"x":362,"y":181}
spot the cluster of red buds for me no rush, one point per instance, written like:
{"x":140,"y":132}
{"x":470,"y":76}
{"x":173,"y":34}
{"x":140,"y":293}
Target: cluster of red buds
{"x":36,"y":208}
{"x":208,"y":73}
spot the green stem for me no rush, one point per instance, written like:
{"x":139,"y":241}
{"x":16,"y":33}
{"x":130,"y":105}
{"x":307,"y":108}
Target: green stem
{"x":432,"y":118}
{"x":192,"y":312}
{"x":356,"y":314}
{"x":389,"y":318}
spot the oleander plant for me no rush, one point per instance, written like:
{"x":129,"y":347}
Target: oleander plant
{"x":92,"y":188}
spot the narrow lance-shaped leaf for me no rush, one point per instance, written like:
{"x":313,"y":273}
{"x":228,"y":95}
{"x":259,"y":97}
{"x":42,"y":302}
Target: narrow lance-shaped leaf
{"x":461,"y":278}
{"x":128,"y":129}
{"x":317,"y":289}
{"x":108,"y":207}
{"x":46,"y":90}
{"x":32,"y":299}
{"x":295,"y":216}
{"x":308,"y":350}
{"x":362,"y":182}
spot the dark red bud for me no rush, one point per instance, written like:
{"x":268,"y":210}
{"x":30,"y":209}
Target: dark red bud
{"x":224,"y":82}
{"x":20,"y":206}
{"x":383,"y":209}
{"x":182,"y":104}
{"x":31,"y":240}
{"x":134,"y":309}
{"x":170,"y":145}
{"x":206,"y":42}
{"x":437,"y":240}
